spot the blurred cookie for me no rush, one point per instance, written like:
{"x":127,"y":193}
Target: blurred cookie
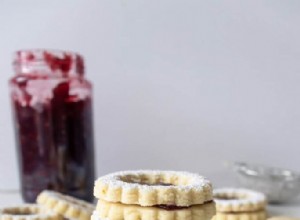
{"x":67,"y":206}
{"x":239,"y":200}
{"x":282,"y":218}
{"x":28,"y":212}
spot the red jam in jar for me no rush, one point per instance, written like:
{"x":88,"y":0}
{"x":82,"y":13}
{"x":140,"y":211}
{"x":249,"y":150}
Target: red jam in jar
{"x":52,"y":104}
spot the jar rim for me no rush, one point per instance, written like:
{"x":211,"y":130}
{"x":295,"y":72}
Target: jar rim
{"x":56,"y":60}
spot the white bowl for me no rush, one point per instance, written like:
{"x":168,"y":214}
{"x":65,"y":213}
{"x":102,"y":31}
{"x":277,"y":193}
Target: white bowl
{"x":279,"y":185}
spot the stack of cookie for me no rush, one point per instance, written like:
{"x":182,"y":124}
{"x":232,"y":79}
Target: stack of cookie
{"x":239,"y":204}
{"x":153,"y":195}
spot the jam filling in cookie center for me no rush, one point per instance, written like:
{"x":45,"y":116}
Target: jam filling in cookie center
{"x":18,"y":213}
{"x":227,"y":197}
{"x":171,"y":207}
{"x":151,"y":184}
{"x":144,"y":181}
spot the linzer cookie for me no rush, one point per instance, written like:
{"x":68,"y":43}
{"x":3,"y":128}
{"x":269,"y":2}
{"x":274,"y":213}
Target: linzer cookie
{"x":283,"y":218}
{"x":239,"y":200}
{"x":67,"y":206}
{"x":150,"y":188}
{"x":258,"y":215}
{"x":239,"y":204}
{"x":112,"y":211}
{"x":28,"y":212}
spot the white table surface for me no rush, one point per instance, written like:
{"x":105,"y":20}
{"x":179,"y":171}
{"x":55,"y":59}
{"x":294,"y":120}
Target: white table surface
{"x":292,"y":209}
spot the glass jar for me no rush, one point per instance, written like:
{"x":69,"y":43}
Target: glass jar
{"x":52,"y":104}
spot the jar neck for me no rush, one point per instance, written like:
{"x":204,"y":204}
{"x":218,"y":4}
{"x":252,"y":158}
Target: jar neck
{"x":48,"y":62}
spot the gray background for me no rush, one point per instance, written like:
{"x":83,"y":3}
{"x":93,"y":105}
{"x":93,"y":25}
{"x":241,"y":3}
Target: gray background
{"x":182,"y":85}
